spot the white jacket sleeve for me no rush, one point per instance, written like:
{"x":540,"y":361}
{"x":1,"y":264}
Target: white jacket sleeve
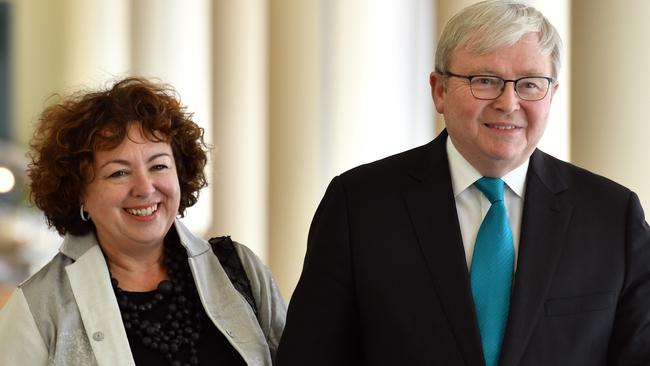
{"x":272,"y":309}
{"x":20,"y":342}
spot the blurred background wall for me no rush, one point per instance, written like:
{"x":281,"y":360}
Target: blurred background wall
{"x":293,"y":92}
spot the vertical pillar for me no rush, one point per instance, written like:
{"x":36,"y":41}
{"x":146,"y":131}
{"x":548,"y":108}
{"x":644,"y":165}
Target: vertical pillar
{"x":96,"y":41}
{"x":60,"y":47}
{"x":610,"y":129}
{"x":172,"y":41}
{"x":240,"y":177}
{"x":377,"y":55}
{"x":294,"y":116}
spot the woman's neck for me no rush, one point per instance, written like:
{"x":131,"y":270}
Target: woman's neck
{"x":137,"y":272}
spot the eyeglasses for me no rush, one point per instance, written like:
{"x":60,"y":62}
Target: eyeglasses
{"x":489,"y":87}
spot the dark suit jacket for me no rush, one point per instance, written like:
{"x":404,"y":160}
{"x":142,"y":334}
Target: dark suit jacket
{"x":385,"y":280}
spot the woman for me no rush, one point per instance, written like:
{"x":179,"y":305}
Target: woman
{"x":131,"y":285}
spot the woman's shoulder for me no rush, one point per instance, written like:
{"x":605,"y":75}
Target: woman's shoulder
{"x":48,"y":276}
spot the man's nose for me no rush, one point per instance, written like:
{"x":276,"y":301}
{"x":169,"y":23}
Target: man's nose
{"x":508,"y":101}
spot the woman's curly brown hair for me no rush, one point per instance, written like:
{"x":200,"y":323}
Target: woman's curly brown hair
{"x":70,"y":132}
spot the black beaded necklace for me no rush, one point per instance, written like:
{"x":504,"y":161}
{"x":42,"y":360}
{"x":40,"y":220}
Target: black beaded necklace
{"x":181,"y":327}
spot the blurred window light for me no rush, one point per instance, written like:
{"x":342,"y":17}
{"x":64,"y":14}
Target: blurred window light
{"x":7,"y":180}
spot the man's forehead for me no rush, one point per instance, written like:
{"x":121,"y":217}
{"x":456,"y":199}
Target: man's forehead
{"x":525,"y":57}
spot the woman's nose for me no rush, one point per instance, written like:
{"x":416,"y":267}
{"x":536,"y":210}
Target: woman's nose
{"x":143,"y":185}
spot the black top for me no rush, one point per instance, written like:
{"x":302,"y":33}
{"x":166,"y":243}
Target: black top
{"x":213,"y":347}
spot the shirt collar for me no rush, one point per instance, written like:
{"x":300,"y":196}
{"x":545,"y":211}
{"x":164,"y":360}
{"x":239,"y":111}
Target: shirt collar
{"x":463,"y":174}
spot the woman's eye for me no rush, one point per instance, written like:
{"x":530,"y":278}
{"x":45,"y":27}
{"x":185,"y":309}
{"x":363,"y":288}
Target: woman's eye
{"x":119,"y":173}
{"x":158,"y":167}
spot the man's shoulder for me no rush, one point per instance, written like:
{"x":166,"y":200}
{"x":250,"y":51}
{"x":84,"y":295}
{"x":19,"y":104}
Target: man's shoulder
{"x":392,"y":166}
{"x":575,"y":177}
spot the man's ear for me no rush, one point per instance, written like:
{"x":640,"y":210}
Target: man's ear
{"x":438,"y":91}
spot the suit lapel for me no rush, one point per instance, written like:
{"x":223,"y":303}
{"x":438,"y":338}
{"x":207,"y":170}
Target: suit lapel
{"x":544,"y":224}
{"x":432,"y":208}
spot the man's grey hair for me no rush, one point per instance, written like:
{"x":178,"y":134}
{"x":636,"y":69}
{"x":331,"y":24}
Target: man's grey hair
{"x":490,"y":25}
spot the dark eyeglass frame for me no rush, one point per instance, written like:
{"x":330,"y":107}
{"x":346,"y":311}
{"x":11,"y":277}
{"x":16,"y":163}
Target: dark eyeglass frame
{"x":503,"y":82}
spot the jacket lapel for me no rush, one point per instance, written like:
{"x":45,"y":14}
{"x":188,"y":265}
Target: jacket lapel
{"x":89,"y":280}
{"x":432,"y":207}
{"x":227,"y":309}
{"x":544,"y":224}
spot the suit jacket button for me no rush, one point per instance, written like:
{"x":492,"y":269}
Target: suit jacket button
{"x":98,"y":336}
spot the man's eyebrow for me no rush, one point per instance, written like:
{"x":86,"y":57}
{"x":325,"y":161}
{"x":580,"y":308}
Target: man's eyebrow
{"x":490,"y":72}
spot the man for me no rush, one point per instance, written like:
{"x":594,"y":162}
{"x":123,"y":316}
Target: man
{"x":477,"y":248}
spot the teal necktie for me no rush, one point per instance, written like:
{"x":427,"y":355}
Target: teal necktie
{"x":492,"y":270}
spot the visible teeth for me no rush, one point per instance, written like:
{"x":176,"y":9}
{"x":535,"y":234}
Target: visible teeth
{"x":142,"y":211}
{"x":500,"y":127}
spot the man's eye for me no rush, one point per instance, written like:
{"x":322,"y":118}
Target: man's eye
{"x":530,"y":85}
{"x":485,"y":81}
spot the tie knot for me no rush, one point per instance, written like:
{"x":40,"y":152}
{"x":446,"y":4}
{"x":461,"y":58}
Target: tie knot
{"x":492,"y":188}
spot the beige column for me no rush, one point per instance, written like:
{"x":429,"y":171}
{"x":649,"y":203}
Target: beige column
{"x":240,"y":122}
{"x":377,"y":56}
{"x":171,"y":41}
{"x":294,"y":115}
{"x":609,"y":113}
{"x":61,"y":46}
{"x":96,"y":40}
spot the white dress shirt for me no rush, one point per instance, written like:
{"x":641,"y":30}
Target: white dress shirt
{"x":472,"y":205}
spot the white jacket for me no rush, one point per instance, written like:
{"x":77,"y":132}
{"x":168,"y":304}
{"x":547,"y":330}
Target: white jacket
{"x":67,"y":314}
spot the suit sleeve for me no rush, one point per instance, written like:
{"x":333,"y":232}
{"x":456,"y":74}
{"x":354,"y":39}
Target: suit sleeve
{"x":323,"y":321}
{"x":630,"y":342}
